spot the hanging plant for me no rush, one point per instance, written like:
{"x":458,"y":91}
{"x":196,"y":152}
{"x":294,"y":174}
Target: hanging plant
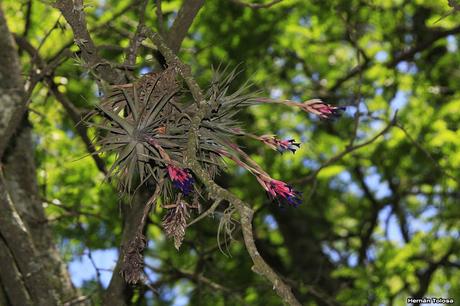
{"x":146,"y":126}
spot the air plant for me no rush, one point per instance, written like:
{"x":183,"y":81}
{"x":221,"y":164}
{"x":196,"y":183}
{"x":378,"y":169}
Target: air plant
{"x":146,"y":125}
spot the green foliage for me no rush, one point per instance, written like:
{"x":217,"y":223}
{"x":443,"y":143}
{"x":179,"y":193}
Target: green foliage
{"x":372,"y":223}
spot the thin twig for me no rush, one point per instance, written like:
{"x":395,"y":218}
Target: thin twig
{"x":148,"y":206}
{"x":209,"y":211}
{"x":347,"y":150}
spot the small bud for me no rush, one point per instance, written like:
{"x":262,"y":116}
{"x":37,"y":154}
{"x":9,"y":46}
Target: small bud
{"x":323,"y":110}
{"x":280,"y":145}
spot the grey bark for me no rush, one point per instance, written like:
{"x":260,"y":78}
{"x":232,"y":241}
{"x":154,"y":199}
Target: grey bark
{"x":12,"y":104}
{"x":31,"y":272}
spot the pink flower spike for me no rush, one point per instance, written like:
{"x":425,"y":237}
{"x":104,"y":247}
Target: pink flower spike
{"x":280,"y":145}
{"x":181,"y":179}
{"x":280,"y":191}
{"x":323,"y":110}
{"x":287,"y":145}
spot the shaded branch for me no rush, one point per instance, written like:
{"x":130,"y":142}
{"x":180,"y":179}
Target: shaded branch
{"x":347,"y":150}
{"x":426,"y":275}
{"x":373,"y":219}
{"x":256,"y":6}
{"x":427,"y":154}
{"x":399,"y":210}
{"x":174,"y":273}
{"x":46,"y":73}
{"x":28,"y":18}
{"x":422,"y":45}
{"x":75,"y":116}
{"x":182,"y":23}
{"x":159,"y":14}
{"x":137,"y":39}
{"x":401,"y":56}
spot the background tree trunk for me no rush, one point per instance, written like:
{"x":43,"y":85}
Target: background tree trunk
{"x":32,"y":272}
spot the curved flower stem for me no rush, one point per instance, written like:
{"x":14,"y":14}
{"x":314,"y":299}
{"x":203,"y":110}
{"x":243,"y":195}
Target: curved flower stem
{"x":275,"y":101}
{"x":242,"y":164}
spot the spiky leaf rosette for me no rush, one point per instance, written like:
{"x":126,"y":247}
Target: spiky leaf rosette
{"x":134,"y":113}
{"x":218,"y":127}
{"x":146,"y":126}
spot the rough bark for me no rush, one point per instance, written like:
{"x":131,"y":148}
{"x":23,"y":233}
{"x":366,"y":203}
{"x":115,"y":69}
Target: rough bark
{"x":11,"y":93}
{"x":32,"y":272}
{"x":119,"y":292}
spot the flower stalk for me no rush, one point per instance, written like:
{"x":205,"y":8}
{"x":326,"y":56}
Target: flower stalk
{"x":313,"y":106}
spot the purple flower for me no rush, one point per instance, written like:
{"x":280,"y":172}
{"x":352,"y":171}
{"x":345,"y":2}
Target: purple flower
{"x":323,"y":110}
{"x":181,"y":179}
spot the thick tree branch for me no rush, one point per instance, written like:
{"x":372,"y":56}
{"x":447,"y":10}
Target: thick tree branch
{"x":11,"y":278}
{"x":73,"y":12}
{"x":182,"y":23}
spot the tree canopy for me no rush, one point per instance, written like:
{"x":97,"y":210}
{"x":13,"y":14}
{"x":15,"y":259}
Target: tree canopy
{"x":379,"y":182}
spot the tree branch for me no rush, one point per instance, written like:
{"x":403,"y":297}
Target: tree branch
{"x":373,"y":219}
{"x":256,"y":6}
{"x":160,"y":22}
{"x":404,"y":55}
{"x":46,"y":73}
{"x":137,"y":38}
{"x":182,"y":23}
{"x":73,"y":12}
{"x":347,"y":150}
{"x":82,"y":131}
